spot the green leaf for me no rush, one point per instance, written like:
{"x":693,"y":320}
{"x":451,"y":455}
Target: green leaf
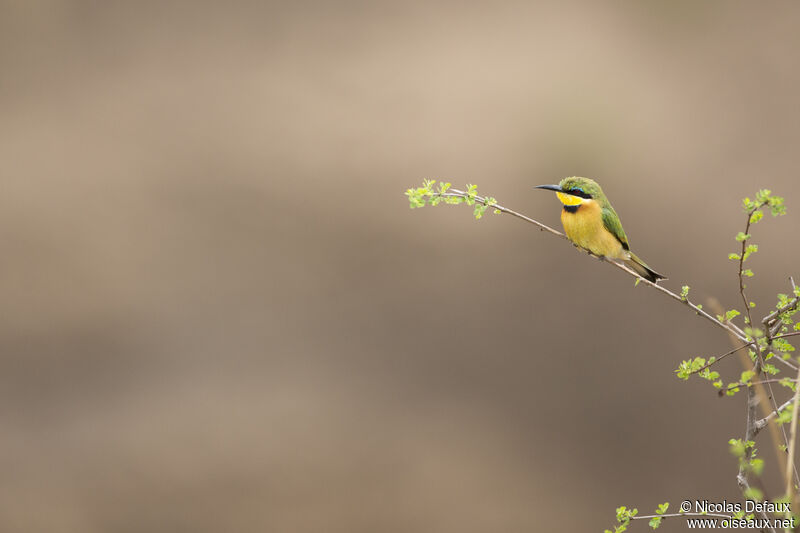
{"x":624,"y":514}
{"x":684,"y":292}
{"x":757,"y":466}
{"x":747,"y":375}
{"x":490,"y":201}
{"x":742,"y":236}
{"x":734,"y":257}
{"x":655,"y":522}
{"x":471,"y":193}
{"x":754,"y":332}
{"x":770,"y":369}
{"x":415,"y":198}
{"x":753,"y":493}
{"x":785,"y":416}
{"x":756,"y":216}
{"x":776,"y":206}
{"x":737,"y":447}
{"x":782,"y":345}
{"x":708,"y":374}
{"x":730,"y":315}
{"x":689,"y":367}
{"x":684,"y":370}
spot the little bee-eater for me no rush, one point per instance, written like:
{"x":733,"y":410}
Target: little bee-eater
{"x":592,"y":224}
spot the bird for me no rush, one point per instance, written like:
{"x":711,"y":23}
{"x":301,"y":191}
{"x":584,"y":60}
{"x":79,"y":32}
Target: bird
{"x":592,"y":224}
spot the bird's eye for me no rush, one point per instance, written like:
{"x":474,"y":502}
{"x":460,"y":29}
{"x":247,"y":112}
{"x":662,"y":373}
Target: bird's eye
{"x":577,"y":191}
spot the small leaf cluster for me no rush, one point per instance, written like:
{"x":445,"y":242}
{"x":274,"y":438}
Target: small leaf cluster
{"x":624,"y":517}
{"x":700,"y":366}
{"x":786,"y":308}
{"x":749,"y":250}
{"x":729,"y":315}
{"x":684,"y":292}
{"x":773,"y":345}
{"x":430,"y":195}
{"x":656,"y":521}
{"x":753,"y":208}
{"x":785,"y":415}
{"x":764,"y":198}
{"x":745,"y":452}
{"x":689,"y":367}
{"x":426,"y":195}
{"x":785,"y":311}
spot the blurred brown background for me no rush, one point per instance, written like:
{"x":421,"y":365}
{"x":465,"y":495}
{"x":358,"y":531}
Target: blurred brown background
{"x":219,"y":313}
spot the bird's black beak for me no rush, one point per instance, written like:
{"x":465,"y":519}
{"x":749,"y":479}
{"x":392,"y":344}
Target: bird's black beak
{"x":549,"y":187}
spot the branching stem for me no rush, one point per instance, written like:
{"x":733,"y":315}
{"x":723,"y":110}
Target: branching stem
{"x":772,"y":325}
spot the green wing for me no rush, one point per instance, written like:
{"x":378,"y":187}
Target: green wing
{"x":612,"y":224}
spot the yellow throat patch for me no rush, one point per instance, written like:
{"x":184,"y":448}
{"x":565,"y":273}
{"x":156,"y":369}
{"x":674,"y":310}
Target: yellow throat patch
{"x":568,"y":199}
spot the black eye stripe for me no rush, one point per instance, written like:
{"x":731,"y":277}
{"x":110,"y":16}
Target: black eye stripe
{"x":579,"y":192}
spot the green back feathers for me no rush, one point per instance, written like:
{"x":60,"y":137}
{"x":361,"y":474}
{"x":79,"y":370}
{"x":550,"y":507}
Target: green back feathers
{"x":612,"y":224}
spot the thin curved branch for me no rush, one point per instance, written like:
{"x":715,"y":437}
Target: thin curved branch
{"x":727,"y":325}
{"x":678,"y":515}
{"x":762,"y":423}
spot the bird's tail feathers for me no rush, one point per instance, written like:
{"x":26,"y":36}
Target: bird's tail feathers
{"x":641,"y":268}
